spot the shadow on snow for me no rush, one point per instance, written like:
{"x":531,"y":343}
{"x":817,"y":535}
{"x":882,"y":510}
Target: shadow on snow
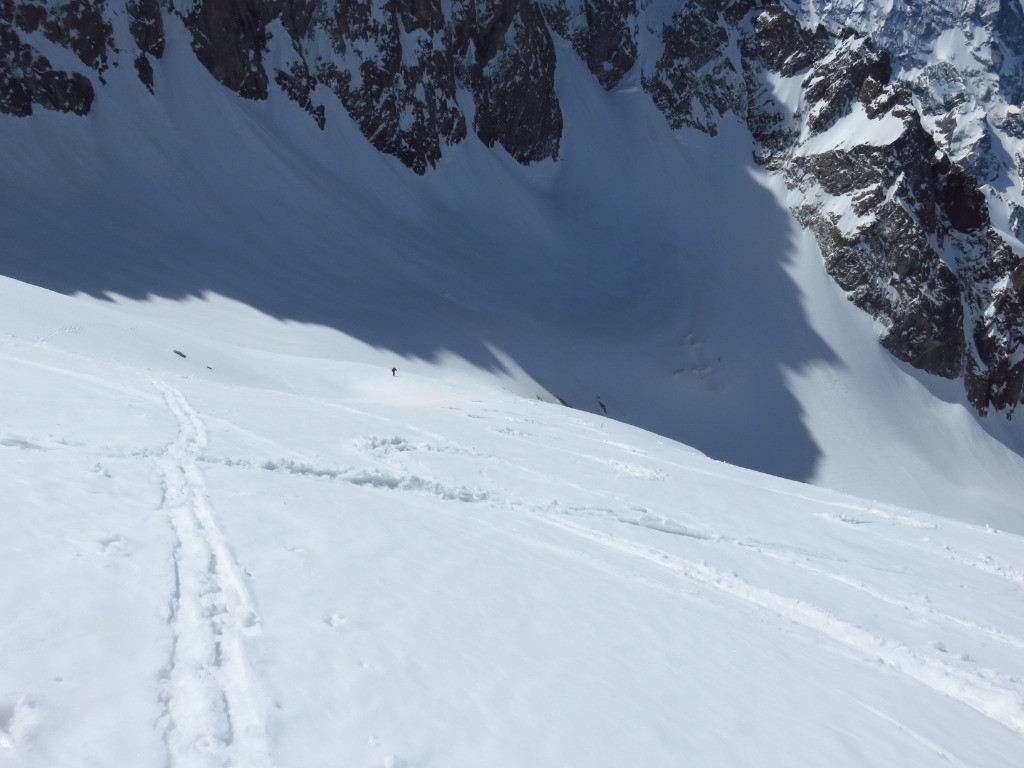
{"x":637,"y":269}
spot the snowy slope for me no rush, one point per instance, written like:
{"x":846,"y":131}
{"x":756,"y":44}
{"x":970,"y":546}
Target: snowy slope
{"x":278,"y":557}
{"x":656,"y":273}
{"x":233,"y":538}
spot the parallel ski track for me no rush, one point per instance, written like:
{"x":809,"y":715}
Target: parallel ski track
{"x":214,"y":708}
{"x":998,"y":699}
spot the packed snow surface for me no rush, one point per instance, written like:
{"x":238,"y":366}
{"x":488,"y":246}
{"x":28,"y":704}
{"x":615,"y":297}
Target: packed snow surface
{"x":217,"y":555}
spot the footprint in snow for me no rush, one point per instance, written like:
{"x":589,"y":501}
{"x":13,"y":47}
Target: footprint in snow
{"x":112,"y":545}
{"x":513,"y":432}
{"x":386,"y":445}
{"x":627,"y":469}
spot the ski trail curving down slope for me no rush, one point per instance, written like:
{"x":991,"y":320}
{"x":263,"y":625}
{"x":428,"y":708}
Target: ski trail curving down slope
{"x":993,"y":694}
{"x":214,"y":713}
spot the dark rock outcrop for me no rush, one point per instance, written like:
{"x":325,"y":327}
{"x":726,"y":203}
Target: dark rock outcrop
{"x":27,"y":78}
{"x":783,"y":44}
{"x":230,"y":38}
{"x":511,"y":73}
{"x":912,"y":244}
{"x":695,"y":81}
{"x":602,"y":32}
{"x":146,"y":25}
{"x":394,"y":72}
{"x":396,"y":65}
{"x":298,"y":84}
{"x":81,"y":26}
{"x":851,"y":72}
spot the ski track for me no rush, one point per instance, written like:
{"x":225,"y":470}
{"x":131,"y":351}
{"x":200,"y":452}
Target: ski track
{"x":943,"y":754}
{"x":393,"y":445}
{"x":998,"y":699}
{"x":214,"y":708}
{"x":853,"y":512}
{"x":907,"y":605}
{"x":987,"y":691}
{"x":847,"y":513}
{"x":111,"y":383}
{"x":796,"y":559}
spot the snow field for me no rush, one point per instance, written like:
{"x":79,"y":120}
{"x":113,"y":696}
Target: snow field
{"x":267,"y":551}
{"x":375,"y":570}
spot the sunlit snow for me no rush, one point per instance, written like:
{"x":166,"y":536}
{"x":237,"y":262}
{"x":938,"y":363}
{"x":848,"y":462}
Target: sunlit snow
{"x":217,"y":555}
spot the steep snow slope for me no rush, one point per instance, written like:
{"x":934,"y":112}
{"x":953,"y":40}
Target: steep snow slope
{"x":651,"y":273}
{"x":268,"y":555}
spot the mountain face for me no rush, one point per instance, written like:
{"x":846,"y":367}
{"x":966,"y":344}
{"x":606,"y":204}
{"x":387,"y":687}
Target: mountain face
{"x":897,"y":127}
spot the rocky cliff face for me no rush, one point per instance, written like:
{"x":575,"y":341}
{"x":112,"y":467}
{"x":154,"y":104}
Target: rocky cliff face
{"x":905,"y":165}
{"x":603,"y":34}
{"x":395,"y":65}
{"x":920,"y":252}
{"x":27,"y":78}
{"x":904,"y":228}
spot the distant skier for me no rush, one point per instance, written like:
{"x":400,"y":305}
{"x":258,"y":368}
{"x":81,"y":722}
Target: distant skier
{"x":394,"y":371}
